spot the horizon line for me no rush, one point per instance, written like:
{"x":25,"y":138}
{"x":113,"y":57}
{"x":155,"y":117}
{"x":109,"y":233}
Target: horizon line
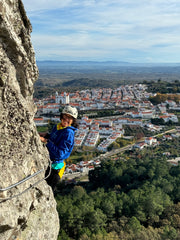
{"x":107,"y":61}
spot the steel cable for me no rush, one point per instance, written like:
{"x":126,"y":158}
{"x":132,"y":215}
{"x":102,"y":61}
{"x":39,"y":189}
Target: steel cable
{"x":24,"y":180}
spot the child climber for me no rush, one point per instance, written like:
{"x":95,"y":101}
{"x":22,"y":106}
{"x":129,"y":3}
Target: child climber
{"x":60,"y":143}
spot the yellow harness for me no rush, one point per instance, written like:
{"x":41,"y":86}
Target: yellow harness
{"x":61,"y":171}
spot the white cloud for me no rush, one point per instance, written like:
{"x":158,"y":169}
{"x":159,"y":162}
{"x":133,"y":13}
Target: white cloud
{"x":103,"y":27}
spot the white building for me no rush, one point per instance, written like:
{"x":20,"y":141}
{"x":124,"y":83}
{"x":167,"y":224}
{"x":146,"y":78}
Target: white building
{"x":150,"y":140}
{"x":92,"y":139}
{"x":147,"y":114}
{"x":168,"y":117}
{"x":79,"y":137}
{"x":49,"y":109}
{"x":62,"y":99}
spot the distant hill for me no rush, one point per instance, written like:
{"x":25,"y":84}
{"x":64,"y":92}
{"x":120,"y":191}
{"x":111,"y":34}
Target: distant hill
{"x":112,"y":67}
{"x":103,"y":63}
{"x":77,"y":75}
{"x":80,"y":63}
{"x":86,"y":83}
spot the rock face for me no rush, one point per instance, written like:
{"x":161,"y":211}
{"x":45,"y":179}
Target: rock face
{"x":32,"y":215}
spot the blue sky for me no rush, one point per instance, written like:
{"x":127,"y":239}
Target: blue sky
{"x":142,"y":31}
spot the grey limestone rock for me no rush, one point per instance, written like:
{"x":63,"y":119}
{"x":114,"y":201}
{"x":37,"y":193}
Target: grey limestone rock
{"x":33,"y":214}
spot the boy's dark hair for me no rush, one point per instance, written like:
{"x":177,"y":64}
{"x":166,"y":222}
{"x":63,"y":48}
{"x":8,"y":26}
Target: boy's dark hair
{"x":74,"y":124}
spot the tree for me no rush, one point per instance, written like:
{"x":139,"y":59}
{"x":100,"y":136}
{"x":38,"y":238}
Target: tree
{"x":113,"y":145}
{"x":158,"y":98}
{"x":78,"y":192}
{"x":134,"y":225}
{"x":95,"y":220}
{"x":63,"y":235}
{"x":148,"y":234}
{"x":108,"y":208}
{"x":157,"y":121}
{"x":169,"y":233}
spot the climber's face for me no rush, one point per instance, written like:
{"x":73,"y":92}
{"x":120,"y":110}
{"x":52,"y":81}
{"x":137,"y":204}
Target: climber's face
{"x":66,"y":120}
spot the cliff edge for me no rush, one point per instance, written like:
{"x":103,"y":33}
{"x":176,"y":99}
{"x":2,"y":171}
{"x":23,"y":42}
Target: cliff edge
{"x":31,"y":215}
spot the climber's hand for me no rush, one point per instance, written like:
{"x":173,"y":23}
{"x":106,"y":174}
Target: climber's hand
{"x":44,"y":140}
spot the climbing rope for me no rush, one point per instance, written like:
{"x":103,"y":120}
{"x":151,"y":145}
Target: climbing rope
{"x":22,"y":181}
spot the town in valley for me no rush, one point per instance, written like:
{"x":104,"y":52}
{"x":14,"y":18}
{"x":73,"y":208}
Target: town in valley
{"x":130,"y":107}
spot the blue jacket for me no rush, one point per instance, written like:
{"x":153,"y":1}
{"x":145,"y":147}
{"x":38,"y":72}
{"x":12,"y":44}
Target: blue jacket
{"x":60,"y":143}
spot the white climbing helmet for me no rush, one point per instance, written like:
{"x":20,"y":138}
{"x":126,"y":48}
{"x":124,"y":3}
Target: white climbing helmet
{"x":71,"y":111}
